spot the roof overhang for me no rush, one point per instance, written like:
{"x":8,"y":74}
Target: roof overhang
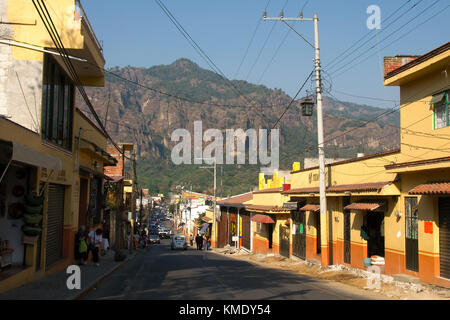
{"x":261,"y":218}
{"x":434,"y":61}
{"x":436,"y":188}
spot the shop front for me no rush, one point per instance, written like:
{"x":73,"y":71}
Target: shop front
{"x":21,"y":211}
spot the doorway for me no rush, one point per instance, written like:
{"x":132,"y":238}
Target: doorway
{"x":375,"y":228}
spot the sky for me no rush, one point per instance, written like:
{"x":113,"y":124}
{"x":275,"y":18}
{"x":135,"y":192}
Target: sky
{"x":138,"y":33}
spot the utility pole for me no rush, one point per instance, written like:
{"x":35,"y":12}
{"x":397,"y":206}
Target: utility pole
{"x":215,"y":186}
{"x":190,"y":211}
{"x":323,"y":200}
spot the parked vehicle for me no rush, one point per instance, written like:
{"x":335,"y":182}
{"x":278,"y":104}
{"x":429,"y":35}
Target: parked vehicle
{"x":153,"y":239}
{"x":178,"y":242}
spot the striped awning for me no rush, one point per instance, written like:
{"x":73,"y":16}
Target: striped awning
{"x":262,"y":218}
{"x":311,"y":207}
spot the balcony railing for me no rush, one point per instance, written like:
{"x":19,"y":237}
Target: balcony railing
{"x":80,"y":13}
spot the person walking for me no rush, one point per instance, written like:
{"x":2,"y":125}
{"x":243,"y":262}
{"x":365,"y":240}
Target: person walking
{"x":199,"y":241}
{"x":95,"y":243}
{"x":81,"y":248}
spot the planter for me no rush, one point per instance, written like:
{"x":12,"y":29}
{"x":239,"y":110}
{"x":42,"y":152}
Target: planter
{"x":30,"y":239}
{"x":31,"y":231}
{"x":34,"y":200}
{"x":33,"y":209}
{"x":33,"y":218}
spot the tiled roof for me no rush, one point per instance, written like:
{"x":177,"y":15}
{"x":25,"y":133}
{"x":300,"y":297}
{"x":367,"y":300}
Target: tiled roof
{"x":432,"y":188}
{"x":363,"y":206}
{"x":256,"y":207}
{"x":302,"y":190}
{"x":370,"y":186}
{"x":239,"y":199}
{"x":310,"y":207}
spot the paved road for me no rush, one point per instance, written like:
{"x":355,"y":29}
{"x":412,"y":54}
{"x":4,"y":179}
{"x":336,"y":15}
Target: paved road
{"x":163,"y":274}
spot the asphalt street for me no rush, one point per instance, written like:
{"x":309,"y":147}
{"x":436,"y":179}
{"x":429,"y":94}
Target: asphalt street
{"x":163,"y":274}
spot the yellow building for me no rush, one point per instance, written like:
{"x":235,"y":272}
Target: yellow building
{"x":37,"y":118}
{"x":424,"y":166}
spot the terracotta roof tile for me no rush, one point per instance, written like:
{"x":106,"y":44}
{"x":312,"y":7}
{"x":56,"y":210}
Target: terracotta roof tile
{"x":257,"y":207}
{"x":364,"y":206}
{"x":239,"y":199}
{"x":369,"y":186}
{"x":272,"y":190}
{"x":310,"y":207}
{"x":262,"y":218}
{"x":432,"y":188}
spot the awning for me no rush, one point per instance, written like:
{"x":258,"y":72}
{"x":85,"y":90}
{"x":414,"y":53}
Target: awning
{"x":431,"y":188}
{"x":437,"y":98}
{"x":290,"y":205}
{"x":311,"y":207}
{"x":364,"y":206}
{"x":206,"y":219}
{"x":262,"y":218}
{"x":29,"y":156}
{"x":205,"y":226}
{"x":95,"y":173}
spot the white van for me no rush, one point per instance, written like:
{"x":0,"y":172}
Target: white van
{"x":178,"y":242}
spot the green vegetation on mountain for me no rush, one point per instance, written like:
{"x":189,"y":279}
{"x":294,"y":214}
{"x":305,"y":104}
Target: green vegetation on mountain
{"x":148,"y":118}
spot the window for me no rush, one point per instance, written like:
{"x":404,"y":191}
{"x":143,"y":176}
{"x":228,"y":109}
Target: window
{"x":441,"y":102}
{"x":57,"y":105}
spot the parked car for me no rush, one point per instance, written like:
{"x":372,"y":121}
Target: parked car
{"x":178,"y":242}
{"x":154,"y":238}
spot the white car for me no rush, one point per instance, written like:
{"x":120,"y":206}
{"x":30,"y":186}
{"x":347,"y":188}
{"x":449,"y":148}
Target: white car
{"x":178,"y":242}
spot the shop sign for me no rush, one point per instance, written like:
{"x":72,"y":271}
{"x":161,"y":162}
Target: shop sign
{"x":428,"y":227}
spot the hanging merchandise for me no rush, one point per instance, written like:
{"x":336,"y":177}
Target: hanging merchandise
{"x":16,"y":210}
{"x":18,"y":191}
{"x":301,"y":228}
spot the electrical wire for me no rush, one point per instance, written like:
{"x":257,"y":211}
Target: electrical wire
{"x":332,"y":66}
{"x":353,"y":62}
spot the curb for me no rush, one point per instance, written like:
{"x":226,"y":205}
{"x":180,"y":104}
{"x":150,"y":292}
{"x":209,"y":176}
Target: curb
{"x":84,"y":292}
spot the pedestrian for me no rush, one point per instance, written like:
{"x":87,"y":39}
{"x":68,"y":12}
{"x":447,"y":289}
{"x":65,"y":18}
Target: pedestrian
{"x":95,"y":243}
{"x":191,"y":239}
{"x":81,"y":248}
{"x":199,"y":241}
{"x":208,"y":243}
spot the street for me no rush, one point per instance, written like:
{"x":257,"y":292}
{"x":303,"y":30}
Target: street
{"x":163,"y":274}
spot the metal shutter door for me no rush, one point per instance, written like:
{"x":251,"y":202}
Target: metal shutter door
{"x":444,"y":237}
{"x":246,"y":231}
{"x":55,"y":224}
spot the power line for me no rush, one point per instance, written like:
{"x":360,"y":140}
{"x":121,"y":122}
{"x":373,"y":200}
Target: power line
{"x":51,"y":29}
{"x":203,"y":54}
{"x":293,"y":99}
{"x":250,"y":43}
{"x":332,"y":65}
{"x":384,"y":39}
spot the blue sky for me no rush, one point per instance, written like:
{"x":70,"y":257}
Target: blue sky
{"x":138,"y":33}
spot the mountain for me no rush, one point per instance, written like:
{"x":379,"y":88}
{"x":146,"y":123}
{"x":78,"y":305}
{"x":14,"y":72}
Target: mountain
{"x":138,"y":111}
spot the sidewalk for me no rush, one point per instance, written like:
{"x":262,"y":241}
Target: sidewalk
{"x":53,"y":287}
